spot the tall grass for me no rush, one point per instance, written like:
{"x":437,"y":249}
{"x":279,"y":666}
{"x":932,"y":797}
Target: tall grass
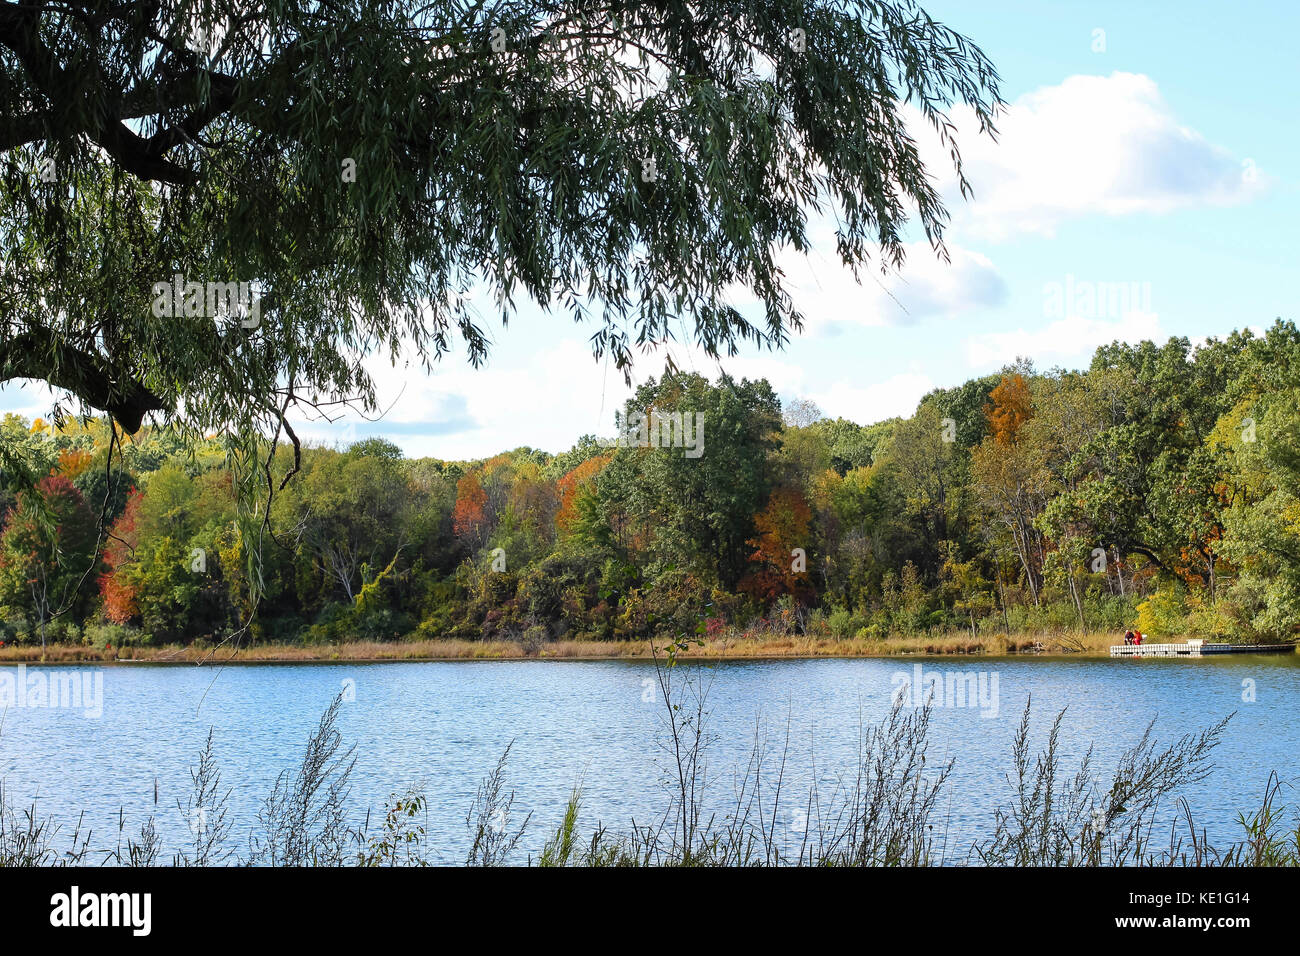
{"x":1062,"y":819}
{"x":488,"y":820}
{"x":303,"y":820}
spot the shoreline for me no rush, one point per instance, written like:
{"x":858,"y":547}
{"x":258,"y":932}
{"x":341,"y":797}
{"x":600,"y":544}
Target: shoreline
{"x":1057,"y":647}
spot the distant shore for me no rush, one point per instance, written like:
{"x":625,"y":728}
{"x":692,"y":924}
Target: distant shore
{"x":738,"y":647}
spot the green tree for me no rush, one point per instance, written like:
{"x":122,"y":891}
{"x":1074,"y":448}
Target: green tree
{"x":47,"y":551}
{"x":672,"y":509}
{"x":355,"y":512}
{"x":927,"y":473}
{"x":851,"y":445}
{"x":362,"y":164}
{"x":172,"y":558}
{"x":1263,"y":522}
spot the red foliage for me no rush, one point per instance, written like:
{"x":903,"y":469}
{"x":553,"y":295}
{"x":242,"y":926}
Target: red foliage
{"x":118,"y":594}
{"x":470,"y":513}
{"x":53,"y":547}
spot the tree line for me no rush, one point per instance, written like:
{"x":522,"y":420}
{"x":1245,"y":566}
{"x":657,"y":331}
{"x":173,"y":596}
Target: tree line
{"x":1158,"y":488}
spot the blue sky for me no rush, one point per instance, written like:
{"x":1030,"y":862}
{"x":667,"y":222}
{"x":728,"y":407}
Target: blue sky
{"x":1160,"y":156}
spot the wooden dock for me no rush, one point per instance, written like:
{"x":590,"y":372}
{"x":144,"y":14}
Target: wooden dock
{"x":1196,"y":649}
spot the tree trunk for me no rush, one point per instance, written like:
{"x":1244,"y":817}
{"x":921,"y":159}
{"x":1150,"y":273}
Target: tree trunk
{"x":1078,"y":603}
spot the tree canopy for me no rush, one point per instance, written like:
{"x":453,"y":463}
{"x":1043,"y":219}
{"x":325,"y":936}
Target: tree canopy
{"x":1160,"y":488}
{"x":365,"y":168}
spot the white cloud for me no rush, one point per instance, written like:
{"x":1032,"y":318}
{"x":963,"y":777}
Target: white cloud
{"x":545,"y":400}
{"x":458,"y":411}
{"x":31,"y":399}
{"x":1106,"y":145}
{"x":926,"y":286}
{"x":865,"y":404}
{"x":1069,"y":339}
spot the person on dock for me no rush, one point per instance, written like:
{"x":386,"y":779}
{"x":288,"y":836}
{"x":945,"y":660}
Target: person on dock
{"x":1128,"y":637}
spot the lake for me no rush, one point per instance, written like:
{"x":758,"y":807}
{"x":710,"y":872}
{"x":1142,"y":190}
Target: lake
{"x":443,"y":726}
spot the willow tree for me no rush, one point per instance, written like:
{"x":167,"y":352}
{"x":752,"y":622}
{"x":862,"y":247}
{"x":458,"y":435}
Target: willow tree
{"x":369,"y":168}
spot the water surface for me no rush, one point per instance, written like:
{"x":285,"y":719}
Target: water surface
{"x":443,"y":725}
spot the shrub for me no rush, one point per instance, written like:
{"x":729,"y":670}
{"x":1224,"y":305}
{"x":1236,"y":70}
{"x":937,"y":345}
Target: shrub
{"x":14,"y":627}
{"x":534,"y":638}
{"x":107,"y":633}
{"x":840,"y":623}
{"x":1164,"y":612}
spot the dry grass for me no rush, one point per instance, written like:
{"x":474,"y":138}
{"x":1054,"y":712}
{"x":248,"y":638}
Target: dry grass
{"x":54,"y":654}
{"x":734,"y":646}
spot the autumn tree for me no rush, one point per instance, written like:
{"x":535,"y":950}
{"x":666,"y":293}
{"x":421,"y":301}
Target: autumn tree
{"x":469,"y":517}
{"x":1010,"y":406}
{"x":578,"y":481}
{"x":47,"y":553}
{"x":116,"y":588}
{"x":781,"y":548}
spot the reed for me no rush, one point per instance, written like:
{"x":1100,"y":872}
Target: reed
{"x":730,"y":645}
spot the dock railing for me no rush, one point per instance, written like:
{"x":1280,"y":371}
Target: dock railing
{"x":1196,"y":648}
{"x":1189,"y":649}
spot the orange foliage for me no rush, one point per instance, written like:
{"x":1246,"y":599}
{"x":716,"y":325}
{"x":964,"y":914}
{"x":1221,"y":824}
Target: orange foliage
{"x":572,"y":484}
{"x":72,"y":462}
{"x":783,"y":525}
{"x":470,"y":513}
{"x":1010,"y":406}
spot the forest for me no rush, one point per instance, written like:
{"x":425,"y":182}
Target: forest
{"x":1159,"y":488}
